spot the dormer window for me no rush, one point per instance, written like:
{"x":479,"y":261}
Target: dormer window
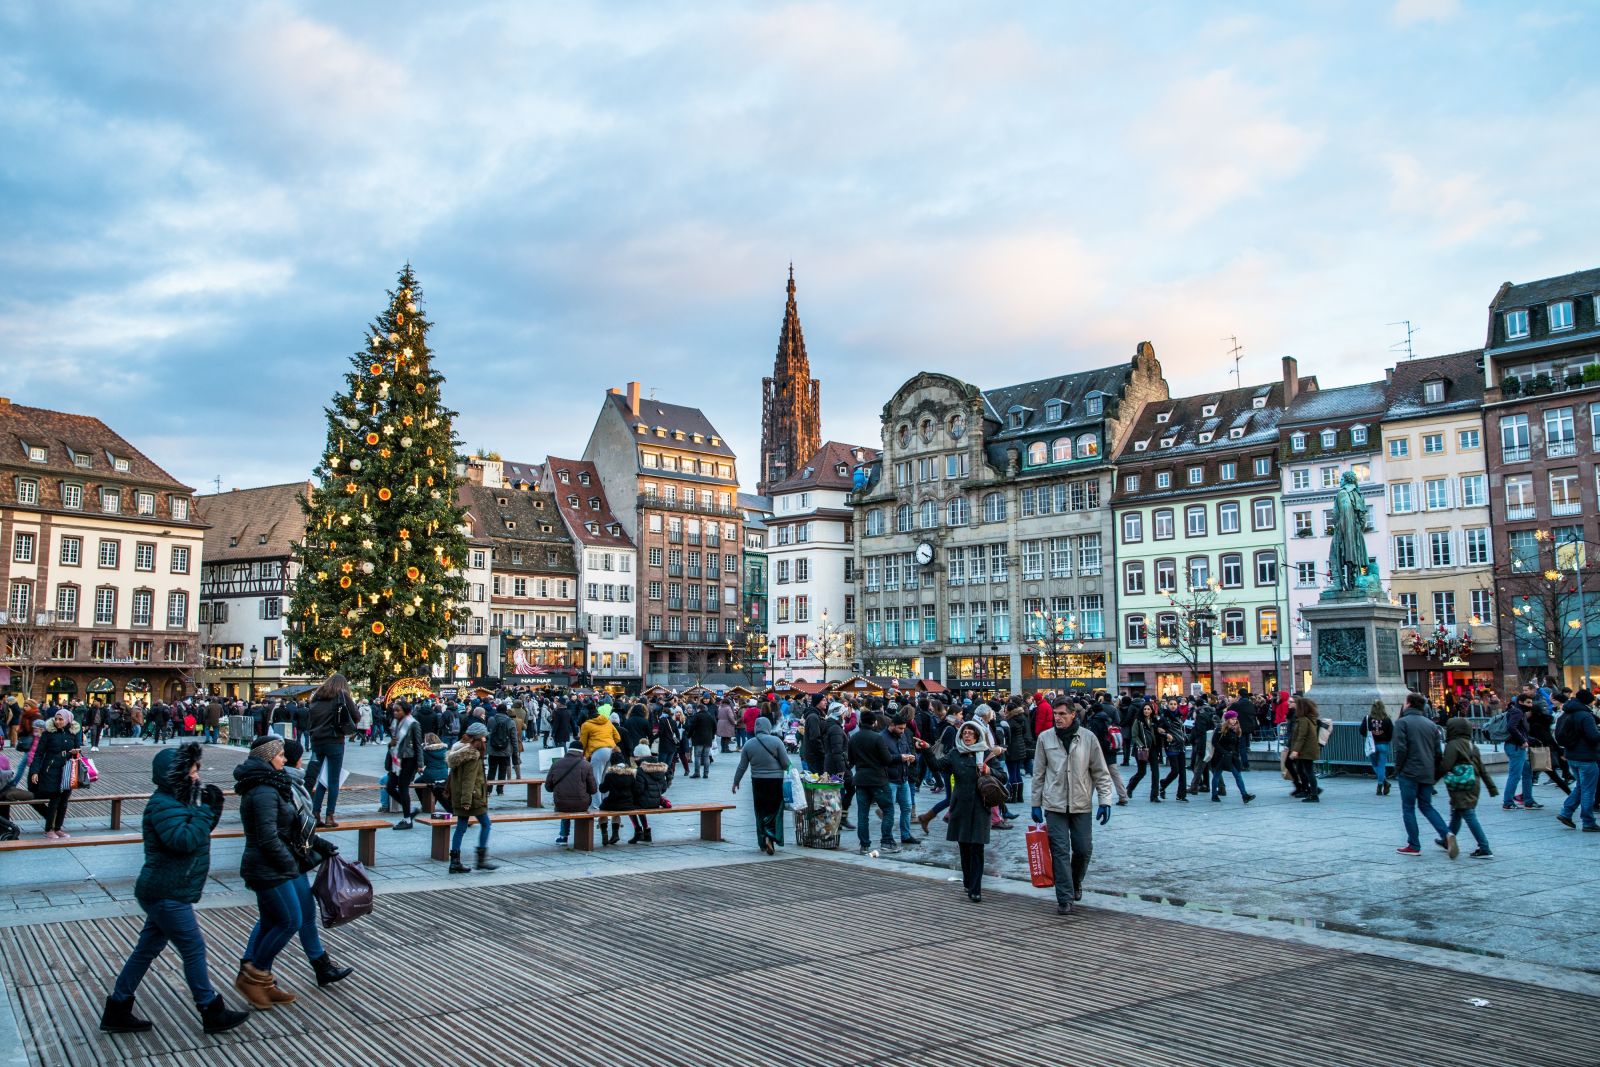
{"x":539,"y":504}
{"x":715,"y":440}
{"x":1164,"y":416}
{"x":82,"y":459}
{"x":583,"y":479}
{"x":511,"y":524}
{"x":503,"y":501}
{"x":1015,"y":417}
{"x":1093,"y":404}
{"x":1205,"y":439}
{"x":592,"y":527}
{"x":1516,"y":325}
{"x":1330,"y":438}
{"x":1358,"y":435}
{"x":1236,"y":433}
{"x":1208,"y":411}
{"x":698,"y":438}
{"x":1559,"y":315}
{"x":261,"y":539}
{"x":594,"y":503}
{"x":233,"y":542}
{"x":661,"y":431}
{"x":37,"y":454}
{"x":564,"y":476}
{"x":1163,"y":479}
{"x":1258,"y":402}
{"x":1140,"y":446}
{"x":1297,"y":441}
{"x":1053,"y":411}
{"x":841,"y":470}
{"x":1168,"y":442}
{"x":544,"y":527}
{"x":572,"y":500}
{"x":120,"y":466}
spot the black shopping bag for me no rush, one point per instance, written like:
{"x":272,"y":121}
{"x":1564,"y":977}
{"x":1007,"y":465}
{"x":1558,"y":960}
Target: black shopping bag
{"x":343,"y":891}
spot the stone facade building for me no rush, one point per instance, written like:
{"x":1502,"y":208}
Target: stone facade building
{"x":791,"y":405}
{"x":983,"y":534}
{"x":531,"y":602}
{"x":1199,"y":542}
{"x":607,"y":586}
{"x":1542,"y":428}
{"x":672,"y":479}
{"x":99,"y":563}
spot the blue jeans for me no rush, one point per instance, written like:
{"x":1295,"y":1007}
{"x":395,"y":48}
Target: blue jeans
{"x":1380,"y":761}
{"x":1519,"y":776}
{"x":483,"y":830}
{"x":901,"y":792}
{"x":1470,"y":816}
{"x":1415,"y":795}
{"x":1216,"y":781}
{"x":310,"y":939}
{"x":865,"y":798}
{"x":211,"y":735}
{"x":332,"y":757}
{"x":281,"y":918}
{"x":165,"y":921}
{"x":1588,"y":774}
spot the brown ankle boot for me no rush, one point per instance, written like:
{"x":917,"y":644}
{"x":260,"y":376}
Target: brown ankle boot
{"x":253,"y":986}
{"x":277,"y":994}
{"x":924,"y":819}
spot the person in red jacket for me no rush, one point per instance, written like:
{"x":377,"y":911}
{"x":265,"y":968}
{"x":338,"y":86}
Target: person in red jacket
{"x":1044,"y":716}
{"x":1280,"y":707}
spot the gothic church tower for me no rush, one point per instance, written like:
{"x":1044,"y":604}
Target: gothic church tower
{"x":791,"y":405}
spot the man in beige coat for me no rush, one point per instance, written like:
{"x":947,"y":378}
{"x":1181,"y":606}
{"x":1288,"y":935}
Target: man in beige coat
{"x":1068,"y":769}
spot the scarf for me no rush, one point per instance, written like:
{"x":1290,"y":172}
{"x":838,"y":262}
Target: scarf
{"x":1066,"y":734}
{"x":305,"y":822}
{"x":974,"y":747}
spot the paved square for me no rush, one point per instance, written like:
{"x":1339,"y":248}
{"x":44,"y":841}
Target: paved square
{"x":787,"y":961}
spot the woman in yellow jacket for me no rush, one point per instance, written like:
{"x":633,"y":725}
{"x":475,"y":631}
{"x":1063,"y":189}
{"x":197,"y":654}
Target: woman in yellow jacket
{"x":599,"y":737}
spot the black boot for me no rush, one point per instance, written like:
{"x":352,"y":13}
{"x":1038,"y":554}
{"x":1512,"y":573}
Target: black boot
{"x":634,"y":840}
{"x":456,"y":866}
{"x":329,"y":972}
{"x":217,"y":1016}
{"x":119,"y":1018}
{"x":646,"y":835}
{"x":483,"y":861}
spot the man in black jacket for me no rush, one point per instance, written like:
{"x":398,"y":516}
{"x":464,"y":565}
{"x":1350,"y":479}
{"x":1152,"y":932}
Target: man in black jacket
{"x":702,"y":730}
{"x":1579,"y":735}
{"x":871,"y":757}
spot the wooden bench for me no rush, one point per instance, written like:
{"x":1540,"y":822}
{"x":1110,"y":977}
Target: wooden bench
{"x":81,"y":796}
{"x":582,"y":823}
{"x":366,"y":841}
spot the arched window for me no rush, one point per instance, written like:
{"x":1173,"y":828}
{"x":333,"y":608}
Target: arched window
{"x":929,"y":515}
{"x":1061,"y":451}
{"x":902,"y":518}
{"x":958,"y":512}
{"x":1038,"y":454}
{"x":1088,"y":446}
{"x":994,"y":507}
{"x":874,"y":522}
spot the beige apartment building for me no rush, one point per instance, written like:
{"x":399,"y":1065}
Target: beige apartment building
{"x":99,"y":561}
{"x":1440,"y":550}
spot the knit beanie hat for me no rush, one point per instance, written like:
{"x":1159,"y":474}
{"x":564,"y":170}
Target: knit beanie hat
{"x":477,"y":729}
{"x":267,"y":747}
{"x":641,"y":750}
{"x":292,"y":751}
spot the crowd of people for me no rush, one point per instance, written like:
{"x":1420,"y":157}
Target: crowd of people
{"x":974,"y":764}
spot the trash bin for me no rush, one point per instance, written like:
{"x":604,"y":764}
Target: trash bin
{"x":818,"y":825}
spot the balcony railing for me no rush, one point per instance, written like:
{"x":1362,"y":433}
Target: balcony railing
{"x":1566,"y":509}
{"x":649,"y":500}
{"x":675,"y":536}
{"x":1555,"y":449}
{"x":675,"y":604}
{"x":1525,"y":511}
{"x":1514,"y":453}
{"x":653,"y":635}
{"x":694,"y":538}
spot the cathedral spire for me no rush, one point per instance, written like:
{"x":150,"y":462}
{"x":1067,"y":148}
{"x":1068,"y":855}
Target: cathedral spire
{"x":791,"y":421}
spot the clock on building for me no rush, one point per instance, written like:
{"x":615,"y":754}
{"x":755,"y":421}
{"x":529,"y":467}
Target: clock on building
{"x":924,"y":554}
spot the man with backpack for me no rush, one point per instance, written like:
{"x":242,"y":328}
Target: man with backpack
{"x":502,"y":741}
{"x":1416,"y":760}
{"x":1578,"y":734}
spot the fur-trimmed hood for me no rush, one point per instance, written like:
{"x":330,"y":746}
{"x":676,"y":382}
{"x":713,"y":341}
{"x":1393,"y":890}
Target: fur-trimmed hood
{"x":461,"y":755}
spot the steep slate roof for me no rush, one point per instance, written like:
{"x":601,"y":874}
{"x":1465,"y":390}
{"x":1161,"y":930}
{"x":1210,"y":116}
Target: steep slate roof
{"x":511,"y":473}
{"x":1069,"y":388}
{"x":672,"y":417}
{"x":1527,"y":294}
{"x":522,"y":508}
{"x":821,"y":471}
{"x":244,"y":516}
{"x":1337,"y":404}
{"x":578,"y":517}
{"x":1463,"y":385}
{"x":61,"y":433}
{"x":1235,"y":409}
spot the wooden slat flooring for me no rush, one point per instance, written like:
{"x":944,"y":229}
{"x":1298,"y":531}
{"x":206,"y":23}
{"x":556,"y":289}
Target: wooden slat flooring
{"x":794,"y":961}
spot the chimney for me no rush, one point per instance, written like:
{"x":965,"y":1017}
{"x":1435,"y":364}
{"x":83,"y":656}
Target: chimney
{"x":1291,"y":379}
{"x":5,"y":401}
{"x":633,"y":399}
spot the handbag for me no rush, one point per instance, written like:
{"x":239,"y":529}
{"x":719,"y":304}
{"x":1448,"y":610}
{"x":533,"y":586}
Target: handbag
{"x":69,"y":775}
{"x":343,"y":891}
{"x":992,"y":792}
{"x":91,"y":773}
{"x":1142,"y":753}
{"x":1041,"y":867}
{"x":1538,"y":759}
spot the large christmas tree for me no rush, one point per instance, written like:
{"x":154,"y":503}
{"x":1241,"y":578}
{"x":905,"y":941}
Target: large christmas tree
{"x":380,"y":567}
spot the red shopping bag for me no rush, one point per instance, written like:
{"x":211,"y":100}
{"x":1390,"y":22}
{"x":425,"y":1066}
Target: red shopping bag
{"x":1040,"y":868}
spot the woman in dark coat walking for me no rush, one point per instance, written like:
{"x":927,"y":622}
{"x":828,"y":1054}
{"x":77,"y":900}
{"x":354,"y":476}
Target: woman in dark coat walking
{"x":178,"y":820}
{"x":62,"y":742}
{"x":330,"y":719}
{"x":969,"y":817}
{"x":1146,"y":746}
{"x":280,"y":844}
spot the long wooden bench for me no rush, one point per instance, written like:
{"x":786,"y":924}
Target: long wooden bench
{"x":80,"y":796}
{"x":366,"y":840}
{"x":582,"y":823}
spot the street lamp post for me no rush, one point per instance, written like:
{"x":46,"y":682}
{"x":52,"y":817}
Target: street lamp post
{"x":252,"y":672}
{"x":1208,"y":618}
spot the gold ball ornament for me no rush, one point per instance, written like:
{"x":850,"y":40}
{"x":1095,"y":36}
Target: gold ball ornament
{"x":377,"y":628}
{"x":384,"y":494}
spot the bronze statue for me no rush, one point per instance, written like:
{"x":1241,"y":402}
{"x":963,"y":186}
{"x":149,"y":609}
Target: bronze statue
{"x":1347,"y":559}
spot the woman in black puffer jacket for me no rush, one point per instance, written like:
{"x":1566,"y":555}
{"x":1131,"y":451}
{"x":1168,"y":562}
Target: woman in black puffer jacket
{"x":331,"y":717}
{"x":62,"y":742}
{"x":280,"y":844}
{"x":650,"y":781}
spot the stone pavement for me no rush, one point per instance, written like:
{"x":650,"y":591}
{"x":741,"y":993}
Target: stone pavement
{"x":826,"y":963}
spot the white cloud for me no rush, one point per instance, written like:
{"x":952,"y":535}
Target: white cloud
{"x":1411,"y":12}
{"x":1454,"y":206}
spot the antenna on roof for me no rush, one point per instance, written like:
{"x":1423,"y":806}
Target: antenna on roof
{"x":1237,"y":352}
{"x":1406,"y":344}
{"x":217,"y":481}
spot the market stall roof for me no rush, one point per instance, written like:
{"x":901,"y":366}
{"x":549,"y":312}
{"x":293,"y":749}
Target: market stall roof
{"x":293,"y":691}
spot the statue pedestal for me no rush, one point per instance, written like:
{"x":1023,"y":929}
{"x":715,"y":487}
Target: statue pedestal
{"x":1355,"y":656}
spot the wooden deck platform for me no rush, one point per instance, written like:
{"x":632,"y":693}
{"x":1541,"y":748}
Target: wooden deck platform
{"x":784,"y":962}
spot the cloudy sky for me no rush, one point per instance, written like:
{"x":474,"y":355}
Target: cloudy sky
{"x":203,"y":204}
